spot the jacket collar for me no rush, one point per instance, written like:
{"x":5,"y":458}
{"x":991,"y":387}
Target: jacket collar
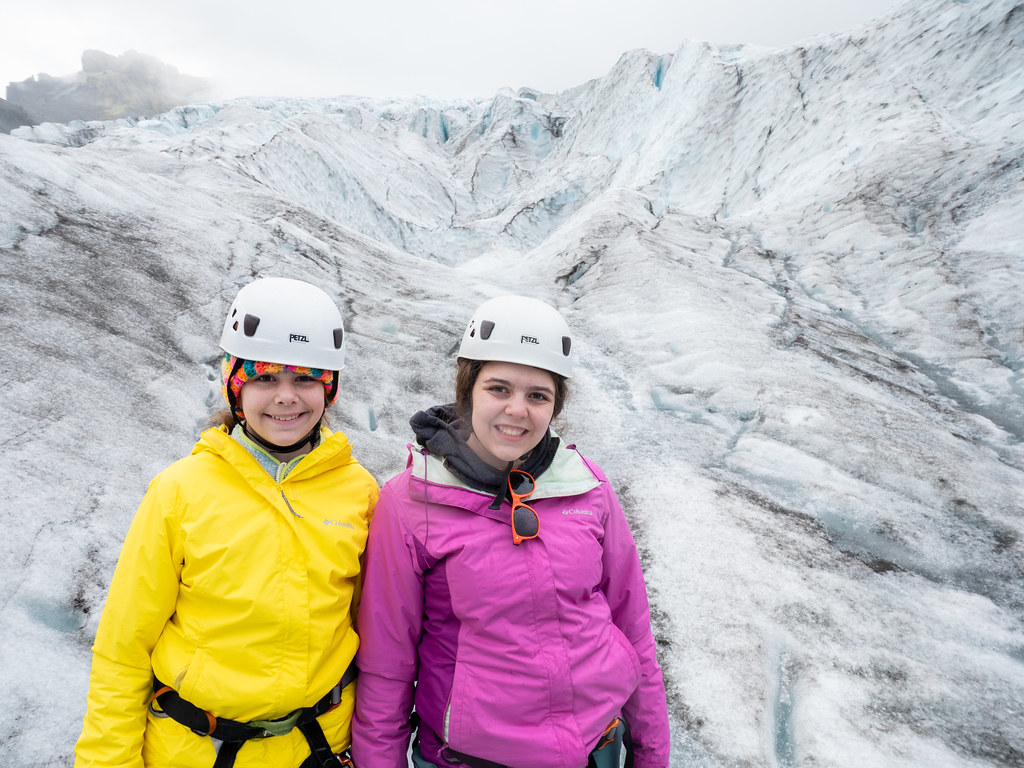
{"x":430,"y":479}
{"x":333,"y":450}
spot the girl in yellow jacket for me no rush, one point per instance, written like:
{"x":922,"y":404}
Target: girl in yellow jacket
{"x":227,"y":634}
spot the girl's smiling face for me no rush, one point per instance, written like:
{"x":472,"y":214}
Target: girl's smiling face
{"x":283,"y":407}
{"x":512,"y":405}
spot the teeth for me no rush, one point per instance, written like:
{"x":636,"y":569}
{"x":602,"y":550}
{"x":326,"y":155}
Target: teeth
{"x":512,"y":432}
{"x":286,"y":418}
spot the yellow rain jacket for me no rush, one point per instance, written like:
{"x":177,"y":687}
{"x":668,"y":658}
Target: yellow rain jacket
{"x":238,"y":590}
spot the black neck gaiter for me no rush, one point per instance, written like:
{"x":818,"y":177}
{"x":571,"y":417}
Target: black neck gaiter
{"x":443,"y":434}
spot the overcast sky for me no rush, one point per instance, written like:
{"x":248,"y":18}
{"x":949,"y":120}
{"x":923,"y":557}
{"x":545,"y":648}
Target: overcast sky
{"x":467,"y":48}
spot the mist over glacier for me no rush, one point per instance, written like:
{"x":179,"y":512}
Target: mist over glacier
{"x":795,"y":279}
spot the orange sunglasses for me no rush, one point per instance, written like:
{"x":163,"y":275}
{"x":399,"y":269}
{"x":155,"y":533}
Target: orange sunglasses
{"x":525,"y":520}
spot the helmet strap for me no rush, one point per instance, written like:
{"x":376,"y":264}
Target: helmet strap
{"x":253,"y":435}
{"x":232,"y":400}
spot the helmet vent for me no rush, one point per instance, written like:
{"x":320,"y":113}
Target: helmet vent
{"x":250,"y":324}
{"x":486,"y":329}
{"x":566,"y":345}
{"x":339,"y":337}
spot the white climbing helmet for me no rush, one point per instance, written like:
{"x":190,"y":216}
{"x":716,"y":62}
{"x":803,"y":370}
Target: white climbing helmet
{"x":280,"y":320}
{"x":518,"y":329}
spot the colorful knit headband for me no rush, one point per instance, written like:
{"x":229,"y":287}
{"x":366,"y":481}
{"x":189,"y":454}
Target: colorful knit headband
{"x":250,"y":369}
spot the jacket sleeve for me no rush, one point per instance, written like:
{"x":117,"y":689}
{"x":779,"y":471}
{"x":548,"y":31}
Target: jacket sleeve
{"x":389,"y":623}
{"x":141,"y":599}
{"x":357,"y":589}
{"x":646,"y":711}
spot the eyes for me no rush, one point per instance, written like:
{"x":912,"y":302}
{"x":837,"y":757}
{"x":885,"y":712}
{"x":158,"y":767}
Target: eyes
{"x":537,"y":396}
{"x":272,"y":378}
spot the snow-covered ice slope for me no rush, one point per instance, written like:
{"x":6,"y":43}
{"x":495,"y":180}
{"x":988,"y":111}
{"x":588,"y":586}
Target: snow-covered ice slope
{"x":796,"y":280}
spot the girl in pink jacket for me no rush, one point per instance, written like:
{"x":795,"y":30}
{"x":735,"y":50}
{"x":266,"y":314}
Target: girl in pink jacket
{"x":503,"y":598}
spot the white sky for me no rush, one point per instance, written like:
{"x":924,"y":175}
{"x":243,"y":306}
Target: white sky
{"x":468,"y":48}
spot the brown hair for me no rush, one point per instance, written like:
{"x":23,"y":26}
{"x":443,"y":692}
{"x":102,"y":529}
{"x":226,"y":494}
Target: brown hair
{"x":469,"y":370}
{"x":222,"y":418}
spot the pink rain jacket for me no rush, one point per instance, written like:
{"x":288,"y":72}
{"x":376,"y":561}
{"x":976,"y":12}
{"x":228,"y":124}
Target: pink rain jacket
{"x":520,"y":655}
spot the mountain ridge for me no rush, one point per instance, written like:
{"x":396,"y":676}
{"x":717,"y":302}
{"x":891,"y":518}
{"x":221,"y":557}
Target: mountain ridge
{"x":107,"y":87}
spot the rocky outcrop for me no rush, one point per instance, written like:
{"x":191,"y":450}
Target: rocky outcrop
{"x":12,"y":116}
{"x":131,"y":85}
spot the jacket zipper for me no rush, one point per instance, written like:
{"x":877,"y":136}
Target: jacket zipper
{"x":447,"y":720}
{"x":280,"y":469}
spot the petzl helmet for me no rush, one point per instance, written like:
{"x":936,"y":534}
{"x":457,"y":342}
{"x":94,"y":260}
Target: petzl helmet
{"x":518,"y":329}
{"x":291,"y":322}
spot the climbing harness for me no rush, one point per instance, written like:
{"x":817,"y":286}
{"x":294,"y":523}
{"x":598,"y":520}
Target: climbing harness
{"x":232,"y":735}
{"x":606,"y":754}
